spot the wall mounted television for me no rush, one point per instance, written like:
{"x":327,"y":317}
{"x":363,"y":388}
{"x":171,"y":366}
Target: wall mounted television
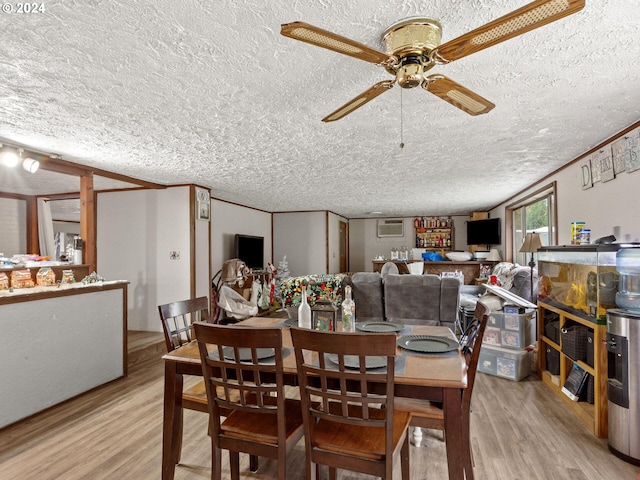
{"x":250,"y":249}
{"x":483,"y":232}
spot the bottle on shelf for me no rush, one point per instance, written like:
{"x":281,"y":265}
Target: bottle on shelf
{"x":304,"y":311}
{"x":348,"y":311}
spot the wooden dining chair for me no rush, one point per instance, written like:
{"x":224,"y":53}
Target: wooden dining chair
{"x":243,"y":372}
{"x":178,"y":318}
{"x":425,"y":414}
{"x":351,"y":427}
{"x":177,"y":324}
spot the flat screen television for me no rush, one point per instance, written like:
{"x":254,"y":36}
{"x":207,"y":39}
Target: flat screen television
{"x":250,"y":249}
{"x":483,"y":232}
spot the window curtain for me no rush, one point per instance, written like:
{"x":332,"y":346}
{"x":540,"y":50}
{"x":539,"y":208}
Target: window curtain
{"x":45,"y":229}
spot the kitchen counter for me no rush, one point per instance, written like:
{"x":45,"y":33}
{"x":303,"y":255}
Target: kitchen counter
{"x":469,"y":269}
{"x":62,"y":341}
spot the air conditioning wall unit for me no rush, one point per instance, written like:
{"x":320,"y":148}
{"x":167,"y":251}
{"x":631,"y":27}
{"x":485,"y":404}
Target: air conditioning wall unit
{"x":391,"y":228}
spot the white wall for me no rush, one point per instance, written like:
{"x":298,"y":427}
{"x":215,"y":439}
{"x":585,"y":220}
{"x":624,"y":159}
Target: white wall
{"x":227,"y":219}
{"x":13,"y":219}
{"x":136,"y":230}
{"x":607,"y":208}
{"x":302,"y":237}
{"x":364,"y":243}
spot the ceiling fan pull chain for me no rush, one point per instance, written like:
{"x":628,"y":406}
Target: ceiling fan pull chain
{"x":401,"y":122}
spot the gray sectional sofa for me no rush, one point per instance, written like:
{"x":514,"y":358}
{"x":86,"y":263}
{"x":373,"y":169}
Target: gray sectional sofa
{"x":408,"y":299}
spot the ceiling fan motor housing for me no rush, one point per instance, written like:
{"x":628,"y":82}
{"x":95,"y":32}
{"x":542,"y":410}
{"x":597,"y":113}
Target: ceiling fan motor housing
{"x":412,"y":35}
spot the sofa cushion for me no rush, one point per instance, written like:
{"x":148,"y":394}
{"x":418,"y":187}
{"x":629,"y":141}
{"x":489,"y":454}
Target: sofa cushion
{"x":417,"y":299}
{"x":367,"y":292}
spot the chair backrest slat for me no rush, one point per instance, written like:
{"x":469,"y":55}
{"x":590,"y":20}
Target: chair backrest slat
{"x":178,"y":319}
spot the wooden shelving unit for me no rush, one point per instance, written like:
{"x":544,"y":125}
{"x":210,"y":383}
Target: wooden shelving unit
{"x":595,"y":416}
{"x":434,"y":233}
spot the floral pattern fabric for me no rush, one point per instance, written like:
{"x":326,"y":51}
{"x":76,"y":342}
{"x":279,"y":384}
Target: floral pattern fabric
{"x":318,"y":286}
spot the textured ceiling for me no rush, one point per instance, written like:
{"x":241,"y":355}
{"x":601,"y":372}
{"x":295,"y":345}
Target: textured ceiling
{"x":210,"y":93}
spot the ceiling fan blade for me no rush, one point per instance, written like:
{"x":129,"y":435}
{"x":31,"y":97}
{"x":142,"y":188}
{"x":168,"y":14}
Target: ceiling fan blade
{"x":525,"y":19}
{"x":457,"y":95}
{"x":325,"y":39}
{"x":359,"y":101}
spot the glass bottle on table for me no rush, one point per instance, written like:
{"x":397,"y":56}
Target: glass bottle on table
{"x":304,"y":310}
{"x":348,"y":311}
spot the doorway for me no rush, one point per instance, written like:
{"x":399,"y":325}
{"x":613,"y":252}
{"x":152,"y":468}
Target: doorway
{"x":344,"y":247}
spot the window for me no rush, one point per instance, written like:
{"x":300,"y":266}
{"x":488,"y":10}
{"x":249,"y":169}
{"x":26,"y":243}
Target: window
{"x":535,"y":213}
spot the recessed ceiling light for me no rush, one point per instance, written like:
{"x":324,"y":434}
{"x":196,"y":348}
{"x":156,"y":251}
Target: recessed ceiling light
{"x":374,"y":213}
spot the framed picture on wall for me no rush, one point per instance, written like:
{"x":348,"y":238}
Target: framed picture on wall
{"x":606,"y":164}
{"x":585,"y":171}
{"x":203,"y":205}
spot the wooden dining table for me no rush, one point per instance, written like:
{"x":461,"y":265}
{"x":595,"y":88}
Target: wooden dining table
{"x":436,"y":377}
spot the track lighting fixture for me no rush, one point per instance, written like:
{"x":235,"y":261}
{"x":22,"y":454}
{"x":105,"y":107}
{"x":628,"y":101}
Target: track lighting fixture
{"x":8,"y":156}
{"x":30,"y":165}
{"x":11,"y":156}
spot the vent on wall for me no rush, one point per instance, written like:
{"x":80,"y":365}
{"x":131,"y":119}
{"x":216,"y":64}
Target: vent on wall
{"x":391,"y":228}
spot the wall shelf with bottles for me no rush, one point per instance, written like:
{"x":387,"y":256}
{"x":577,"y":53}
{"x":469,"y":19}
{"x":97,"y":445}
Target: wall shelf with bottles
{"x":434,"y":233}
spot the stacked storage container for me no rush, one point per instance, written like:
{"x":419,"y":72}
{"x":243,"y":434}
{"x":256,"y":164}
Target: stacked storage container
{"x":504,"y":345}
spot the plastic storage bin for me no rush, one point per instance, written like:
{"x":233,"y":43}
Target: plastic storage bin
{"x":503,"y":362}
{"x":509,"y":330}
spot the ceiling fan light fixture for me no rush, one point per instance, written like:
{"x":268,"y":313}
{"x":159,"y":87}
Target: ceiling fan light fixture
{"x":410,"y":73}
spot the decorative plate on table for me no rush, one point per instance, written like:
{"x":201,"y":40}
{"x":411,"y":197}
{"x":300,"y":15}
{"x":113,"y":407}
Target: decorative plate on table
{"x":427,"y":343}
{"x":245,"y":353}
{"x":353,"y":361}
{"x":379,"y":326}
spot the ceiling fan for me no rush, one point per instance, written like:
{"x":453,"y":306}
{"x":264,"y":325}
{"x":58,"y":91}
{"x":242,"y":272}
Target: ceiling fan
{"x":413,"y":48}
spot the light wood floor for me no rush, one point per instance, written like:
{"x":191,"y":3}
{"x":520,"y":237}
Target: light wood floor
{"x":519,"y":431}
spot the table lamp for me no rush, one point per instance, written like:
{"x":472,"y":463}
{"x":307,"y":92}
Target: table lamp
{"x":531,"y":245}
{"x":494,"y":256}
